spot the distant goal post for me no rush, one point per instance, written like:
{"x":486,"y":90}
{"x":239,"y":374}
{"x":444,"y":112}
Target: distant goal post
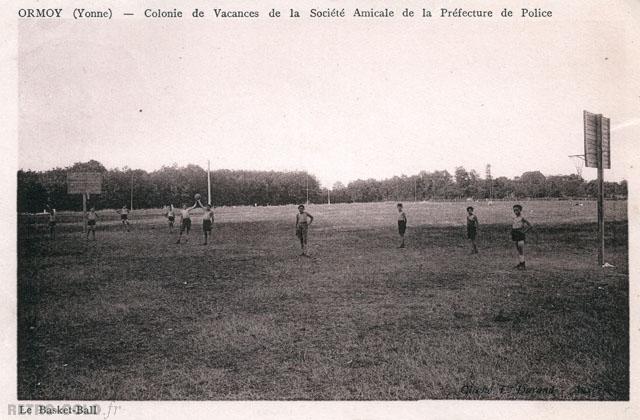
{"x":84,"y":183}
{"x":597,"y":154}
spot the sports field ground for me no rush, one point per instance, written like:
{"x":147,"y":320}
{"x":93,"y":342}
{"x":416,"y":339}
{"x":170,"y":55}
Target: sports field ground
{"x":135,"y":316}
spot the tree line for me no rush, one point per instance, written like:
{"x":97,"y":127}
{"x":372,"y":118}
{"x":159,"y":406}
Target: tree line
{"x":177,"y":185}
{"x":463,"y":184}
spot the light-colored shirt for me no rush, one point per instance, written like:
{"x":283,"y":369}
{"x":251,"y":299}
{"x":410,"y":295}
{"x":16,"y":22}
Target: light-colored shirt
{"x":185,"y":213}
{"x":402,"y":217}
{"x":208,"y":215}
{"x":92,"y":216}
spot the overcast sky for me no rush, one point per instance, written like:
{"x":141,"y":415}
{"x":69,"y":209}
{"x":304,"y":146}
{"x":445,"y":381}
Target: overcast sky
{"x":342,"y":99}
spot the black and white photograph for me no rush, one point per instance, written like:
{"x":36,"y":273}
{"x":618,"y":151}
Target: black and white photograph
{"x":337,"y":205}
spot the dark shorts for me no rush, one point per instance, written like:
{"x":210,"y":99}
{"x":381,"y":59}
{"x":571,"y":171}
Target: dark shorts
{"x":402,"y":227}
{"x":207,"y":225}
{"x":186,"y":224}
{"x":301,"y":231}
{"x":472,"y":232}
{"x":517,"y":235}
{"x":171,"y":218}
{"x":124,"y":216}
{"x":52,"y":223}
{"x":91,"y":222}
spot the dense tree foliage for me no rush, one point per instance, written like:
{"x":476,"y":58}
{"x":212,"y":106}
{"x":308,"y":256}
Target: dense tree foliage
{"x":176,"y":185}
{"x":441,"y":185}
{"x":168,"y":185}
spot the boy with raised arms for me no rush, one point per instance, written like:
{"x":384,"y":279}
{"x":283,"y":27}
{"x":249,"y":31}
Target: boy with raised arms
{"x":185,"y":220}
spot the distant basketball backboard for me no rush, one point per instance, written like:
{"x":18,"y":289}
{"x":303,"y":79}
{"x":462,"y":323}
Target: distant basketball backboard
{"x":84,"y":183}
{"x":591,"y":131}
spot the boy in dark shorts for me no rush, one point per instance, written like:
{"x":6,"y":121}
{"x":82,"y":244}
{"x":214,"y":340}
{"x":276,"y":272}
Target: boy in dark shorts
{"x":519,"y":228}
{"x":185,"y":220}
{"x":303,"y":221}
{"x":171,"y":217}
{"x":52,"y":223}
{"x":91,"y":223}
{"x":472,"y":229}
{"x":402,"y":223}
{"x":124,"y":217}
{"x":207,"y":222}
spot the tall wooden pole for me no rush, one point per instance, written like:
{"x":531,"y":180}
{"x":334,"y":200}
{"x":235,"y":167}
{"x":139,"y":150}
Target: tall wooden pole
{"x":131,"y":208}
{"x":600,"y":190}
{"x":84,"y":213}
{"x":209,"y":182}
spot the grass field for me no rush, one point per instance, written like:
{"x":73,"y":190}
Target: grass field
{"x":134,"y":316}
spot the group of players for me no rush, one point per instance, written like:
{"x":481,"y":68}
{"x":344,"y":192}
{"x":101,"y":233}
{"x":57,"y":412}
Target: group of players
{"x":185,"y":219}
{"x":520,"y":226}
{"x":170,"y":214}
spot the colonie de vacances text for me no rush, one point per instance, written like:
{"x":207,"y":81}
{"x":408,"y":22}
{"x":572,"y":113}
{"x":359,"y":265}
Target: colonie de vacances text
{"x":292,"y":13}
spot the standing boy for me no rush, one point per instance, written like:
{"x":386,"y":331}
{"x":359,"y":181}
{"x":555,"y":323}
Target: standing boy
{"x":519,"y":228}
{"x":91,"y":223}
{"x":402,"y":223}
{"x":185,"y":220}
{"x":303,"y":221}
{"x":52,"y":223}
{"x":207,"y":222}
{"x":124,"y":217}
{"x":171,"y":217}
{"x":472,"y":229}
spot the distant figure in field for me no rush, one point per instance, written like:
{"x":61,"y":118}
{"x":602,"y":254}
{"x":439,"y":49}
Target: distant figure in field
{"x":52,"y":223}
{"x":472,"y":229}
{"x":402,"y":223}
{"x":185,"y":220}
{"x":207,"y":222}
{"x":171,"y":217}
{"x":519,"y":228}
{"x":91,"y":223}
{"x":303,"y":221}
{"x":124,"y":217}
